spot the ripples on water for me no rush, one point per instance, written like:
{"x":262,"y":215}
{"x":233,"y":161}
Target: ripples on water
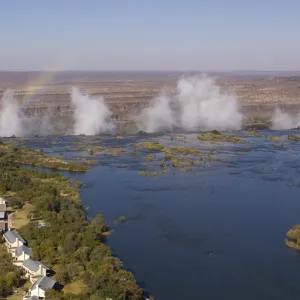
{"x":216,"y":232}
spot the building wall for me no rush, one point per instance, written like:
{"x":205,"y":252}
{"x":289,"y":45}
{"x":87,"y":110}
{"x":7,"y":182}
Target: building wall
{"x":20,"y":260}
{"x":3,"y":225}
{"x":33,"y":276}
{"x":23,"y":257}
{"x":17,"y":244}
{"x":37,"y":292}
{"x":12,"y":247}
{"x":43,"y":271}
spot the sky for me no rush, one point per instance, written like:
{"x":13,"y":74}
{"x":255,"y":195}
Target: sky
{"x":181,"y":35}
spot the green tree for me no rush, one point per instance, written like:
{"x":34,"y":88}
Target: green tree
{"x":98,"y":224}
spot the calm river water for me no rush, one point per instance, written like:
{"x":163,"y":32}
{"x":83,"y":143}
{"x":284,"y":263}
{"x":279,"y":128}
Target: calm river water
{"x":216,"y":232}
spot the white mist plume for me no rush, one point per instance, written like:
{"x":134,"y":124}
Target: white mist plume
{"x":91,"y":115}
{"x":10,"y":115}
{"x":158,"y":116}
{"x":283,"y":120}
{"x":197,"y":104}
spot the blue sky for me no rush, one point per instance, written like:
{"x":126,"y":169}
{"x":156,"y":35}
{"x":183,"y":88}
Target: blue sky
{"x":150,"y":35}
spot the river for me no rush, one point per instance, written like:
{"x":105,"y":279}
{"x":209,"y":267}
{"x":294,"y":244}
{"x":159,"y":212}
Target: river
{"x":216,"y":232}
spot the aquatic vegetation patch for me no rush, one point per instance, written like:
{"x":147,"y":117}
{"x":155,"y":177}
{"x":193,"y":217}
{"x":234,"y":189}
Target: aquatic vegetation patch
{"x":168,"y":154}
{"x":187,"y":163}
{"x":293,"y":238}
{"x":143,"y":173}
{"x":94,"y":150}
{"x":149,"y":146}
{"x":294,"y":233}
{"x":274,"y":138}
{"x":175,"y":162}
{"x":122,"y":218}
{"x":184,"y":150}
{"x":252,"y":133}
{"x":114,"y":151}
{"x":150,"y":157}
{"x":215,"y":137}
{"x":184,"y":158}
{"x":294,"y":137}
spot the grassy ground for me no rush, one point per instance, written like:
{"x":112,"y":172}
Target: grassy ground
{"x":76,"y":287}
{"x":20,"y":292}
{"x":19,"y":218}
{"x":8,"y":194}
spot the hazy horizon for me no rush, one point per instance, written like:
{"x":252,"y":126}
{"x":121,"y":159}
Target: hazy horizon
{"x":148,"y":71}
{"x":183,"y":36}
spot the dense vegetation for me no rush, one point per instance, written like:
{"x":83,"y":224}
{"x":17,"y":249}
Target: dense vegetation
{"x":293,"y":137}
{"x":68,"y":244}
{"x":28,"y":156}
{"x":10,"y":275}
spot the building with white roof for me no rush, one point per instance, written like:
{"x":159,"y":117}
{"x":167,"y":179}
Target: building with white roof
{"x":34,"y":269}
{"x":13,"y":240}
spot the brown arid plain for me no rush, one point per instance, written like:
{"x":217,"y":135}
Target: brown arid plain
{"x":127,"y":93}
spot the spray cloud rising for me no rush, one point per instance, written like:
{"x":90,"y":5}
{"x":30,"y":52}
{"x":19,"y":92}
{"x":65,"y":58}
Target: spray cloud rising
{"x":91,"y":115}
{"x":197,"y":104}
{"x":14,"y":122}
{"x":283,"y":120}
{"x":11,"y":119}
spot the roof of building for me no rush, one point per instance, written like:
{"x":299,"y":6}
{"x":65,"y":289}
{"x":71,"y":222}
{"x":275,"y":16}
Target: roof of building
{"x":2,"y":207}
{"x":45,"y":283}
{"x":33,"y":265}
{"x":12,"y":236}
{"x":2,"y":214}
{"x":24,"y":249}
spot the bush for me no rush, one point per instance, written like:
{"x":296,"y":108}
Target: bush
{"x":98,"y":224}
{"x":122,"y":219}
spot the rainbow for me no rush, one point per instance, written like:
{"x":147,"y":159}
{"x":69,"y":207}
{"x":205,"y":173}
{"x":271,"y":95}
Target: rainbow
{"x":32,"y":88}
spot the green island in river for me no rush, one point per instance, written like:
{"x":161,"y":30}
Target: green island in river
{"x":70,"y":245}
{"x":27,"y":156}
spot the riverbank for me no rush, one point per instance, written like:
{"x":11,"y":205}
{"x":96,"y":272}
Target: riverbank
{"x":23,"y":155}
{"x":67,"y":242}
